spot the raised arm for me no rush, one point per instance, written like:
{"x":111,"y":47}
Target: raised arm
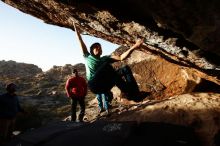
{"x":126,"y":53}
{"x":82,"y":44}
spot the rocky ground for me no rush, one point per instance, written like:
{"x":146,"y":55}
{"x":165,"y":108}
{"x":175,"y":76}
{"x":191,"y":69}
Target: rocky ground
{"x":200,"y":111}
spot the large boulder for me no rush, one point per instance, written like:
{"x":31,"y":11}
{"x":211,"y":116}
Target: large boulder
{"x":163,"y":79}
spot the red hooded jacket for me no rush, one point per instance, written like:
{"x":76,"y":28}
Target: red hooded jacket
{"x":76,"y":87}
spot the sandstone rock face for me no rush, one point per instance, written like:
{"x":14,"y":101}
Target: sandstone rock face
{"x":184,"y":31}
{"x":163,"y":79}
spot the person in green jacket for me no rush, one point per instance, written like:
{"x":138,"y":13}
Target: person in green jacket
{"x":102,"y":76}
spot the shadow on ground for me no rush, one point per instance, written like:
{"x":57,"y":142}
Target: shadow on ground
{"x":107,"y":133}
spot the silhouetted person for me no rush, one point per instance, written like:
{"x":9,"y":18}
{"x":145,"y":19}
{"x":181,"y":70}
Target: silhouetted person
{"x":101,"y":75}
{"x":9,"y":107}
{"x":76,"y":89}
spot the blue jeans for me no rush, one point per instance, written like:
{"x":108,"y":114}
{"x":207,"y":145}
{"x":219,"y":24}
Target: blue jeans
{"x":102,"y":98}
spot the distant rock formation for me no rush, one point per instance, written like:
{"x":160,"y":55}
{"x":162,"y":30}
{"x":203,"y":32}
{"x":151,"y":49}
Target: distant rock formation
{"x":32,"y":81}
{"x":13,"y":69}
{"x":60,"y":72}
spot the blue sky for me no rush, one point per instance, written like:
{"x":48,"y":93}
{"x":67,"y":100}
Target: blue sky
{"x":24,"y":38}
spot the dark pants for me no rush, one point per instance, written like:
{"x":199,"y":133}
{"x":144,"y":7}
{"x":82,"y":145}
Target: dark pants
{"x":6,"y":129}
{"x":106,"y":77}
{"x":73,"y":109}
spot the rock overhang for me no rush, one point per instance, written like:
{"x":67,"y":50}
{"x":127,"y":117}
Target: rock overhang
{"x":184,"y":31}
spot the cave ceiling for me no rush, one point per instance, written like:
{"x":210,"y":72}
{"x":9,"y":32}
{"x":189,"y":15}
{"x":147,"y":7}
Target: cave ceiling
{"x":186,"y":32}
